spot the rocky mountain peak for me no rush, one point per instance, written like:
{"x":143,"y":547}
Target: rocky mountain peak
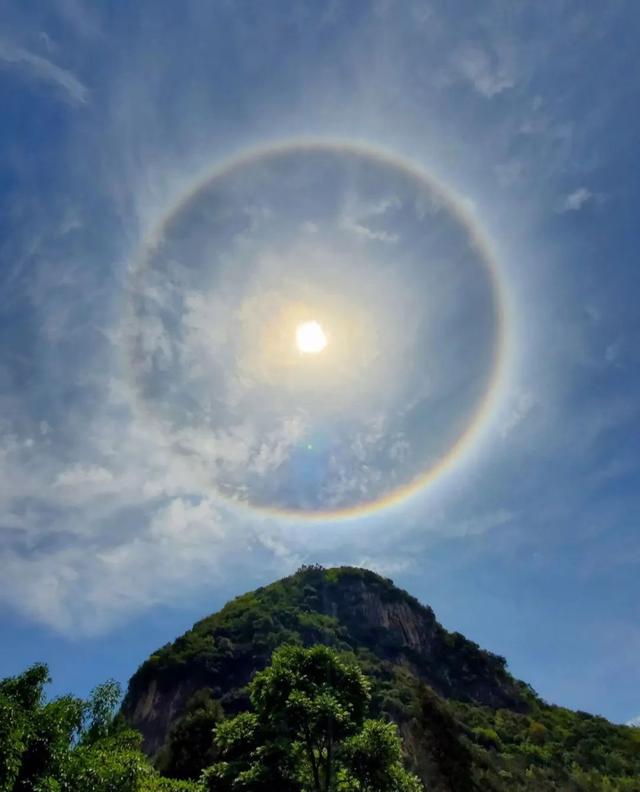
{"x":352,"y":609}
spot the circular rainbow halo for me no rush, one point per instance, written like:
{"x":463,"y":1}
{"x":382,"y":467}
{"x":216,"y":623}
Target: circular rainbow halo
{"x":318,"y":329}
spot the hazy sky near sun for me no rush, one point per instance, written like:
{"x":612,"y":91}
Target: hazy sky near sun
{"x":111,"y":539}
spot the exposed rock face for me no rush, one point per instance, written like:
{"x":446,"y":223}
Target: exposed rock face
{"x":397,"y":628}
{"x":158,"y":707}
{"x":351,"y":609}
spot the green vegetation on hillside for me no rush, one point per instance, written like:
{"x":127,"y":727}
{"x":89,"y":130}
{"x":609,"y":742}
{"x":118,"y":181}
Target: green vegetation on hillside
{"x":308,"y":733}
{"x":382,"y":681}
{"x":553,"y":748}
{"x":229,"y":645}
{"x":465,"y":722}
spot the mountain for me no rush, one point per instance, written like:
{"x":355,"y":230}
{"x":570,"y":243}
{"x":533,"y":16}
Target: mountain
{"x":467,"y":724}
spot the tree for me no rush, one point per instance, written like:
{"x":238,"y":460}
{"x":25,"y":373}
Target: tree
{"x":100,"y":719}
{"x":255,"y":758}
{"x":372,"y":761}
{"x":35,"y":736}
{"x":308,"y":731}
{"x":70,"y":744}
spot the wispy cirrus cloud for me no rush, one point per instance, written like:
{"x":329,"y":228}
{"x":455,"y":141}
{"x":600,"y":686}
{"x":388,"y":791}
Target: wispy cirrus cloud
{"x":519,"y":112}
{"x":44,"y":70}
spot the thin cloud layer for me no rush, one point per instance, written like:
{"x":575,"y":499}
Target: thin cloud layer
{"x":412,"y":346}
{"x":519,"y":115}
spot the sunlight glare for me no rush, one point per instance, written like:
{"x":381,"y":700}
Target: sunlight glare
{"x":310,"y":338}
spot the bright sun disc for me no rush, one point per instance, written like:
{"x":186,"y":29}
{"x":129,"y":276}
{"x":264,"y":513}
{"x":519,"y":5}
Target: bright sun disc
{"x":310,"y":338}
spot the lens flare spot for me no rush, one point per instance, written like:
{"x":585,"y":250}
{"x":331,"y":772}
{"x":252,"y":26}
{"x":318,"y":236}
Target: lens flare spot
{"x":310,"y":338}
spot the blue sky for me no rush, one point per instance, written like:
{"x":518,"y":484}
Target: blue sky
{"x":111,"y":543}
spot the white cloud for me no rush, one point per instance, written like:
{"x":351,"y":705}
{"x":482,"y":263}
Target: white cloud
{"x":46,"y":71}
{"x":522,"y":405}
{"x":368,"y":233}
{"x":154,"y":343}
{"x":489,"y":75}
{"x":147,"y":144}
{"x":355,"y":216}
{"x":276,"y":446}
{"x":83,"y":475}
{"x":38,"y":587}
{"x":385,"y":566}
{"x":87,"y":546}
{"x":476,"y":526}
{"x":287,"y":557}
{"x":185,"y":521}
{"x":90,"y":586}
{"x":575,"y":200}
{"x":634,"y":722}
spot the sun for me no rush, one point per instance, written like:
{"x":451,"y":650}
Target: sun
{"x":310,"y":338}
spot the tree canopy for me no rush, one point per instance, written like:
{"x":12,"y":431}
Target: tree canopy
{"x":308,"y":730}
{"x":69,"y":743}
